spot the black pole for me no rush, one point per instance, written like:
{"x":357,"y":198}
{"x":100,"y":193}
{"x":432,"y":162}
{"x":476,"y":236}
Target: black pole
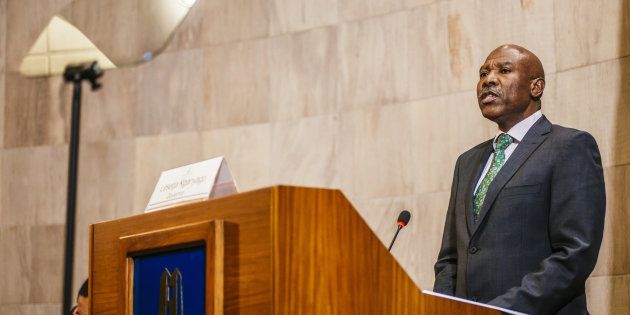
{"x":74,"y":73}
{"x":73,"y":166}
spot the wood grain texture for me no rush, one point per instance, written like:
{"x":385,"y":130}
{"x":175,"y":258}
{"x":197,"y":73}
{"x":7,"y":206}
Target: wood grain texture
{"x":294,"y":251}
{"x":209,"y":233}
{"x":327,"y":260}
{"x":247,"y":271}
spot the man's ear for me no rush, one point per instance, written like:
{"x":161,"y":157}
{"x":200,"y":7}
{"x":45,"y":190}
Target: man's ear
{"x":537,"y":88}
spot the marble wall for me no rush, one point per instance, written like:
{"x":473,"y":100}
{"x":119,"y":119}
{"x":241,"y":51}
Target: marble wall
{"x":374,"y":97}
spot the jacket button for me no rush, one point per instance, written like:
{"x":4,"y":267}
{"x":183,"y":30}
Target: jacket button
{"x":473,"y":250}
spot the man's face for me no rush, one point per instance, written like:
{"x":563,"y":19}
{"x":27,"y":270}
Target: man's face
{"x":504,"y":87}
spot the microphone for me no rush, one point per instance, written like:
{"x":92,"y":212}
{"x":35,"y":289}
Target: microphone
{"x":403,"y":220}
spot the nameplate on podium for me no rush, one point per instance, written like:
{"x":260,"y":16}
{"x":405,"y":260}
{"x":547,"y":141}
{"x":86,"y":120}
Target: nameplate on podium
{"x":198,"y":181}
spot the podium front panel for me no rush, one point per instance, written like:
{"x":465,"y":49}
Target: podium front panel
{"x":165,"y":280}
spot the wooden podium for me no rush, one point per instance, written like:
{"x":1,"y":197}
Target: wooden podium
{"x":278,"y":250}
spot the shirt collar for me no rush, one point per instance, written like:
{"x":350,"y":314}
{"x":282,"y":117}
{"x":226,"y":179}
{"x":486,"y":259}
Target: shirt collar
{"x":518,"y":131}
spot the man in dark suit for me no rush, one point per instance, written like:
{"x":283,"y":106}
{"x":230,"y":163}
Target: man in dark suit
{"x":526,"y":213}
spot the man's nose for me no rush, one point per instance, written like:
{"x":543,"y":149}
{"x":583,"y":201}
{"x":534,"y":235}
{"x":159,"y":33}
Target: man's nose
{"x":490,"y":79}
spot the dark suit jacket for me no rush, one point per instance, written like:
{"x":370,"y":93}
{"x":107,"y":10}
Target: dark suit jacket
{"x":539,"y":229}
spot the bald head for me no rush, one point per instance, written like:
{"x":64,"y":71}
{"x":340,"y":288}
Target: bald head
{"x":511,"y":83}
{"x":530,"y":61}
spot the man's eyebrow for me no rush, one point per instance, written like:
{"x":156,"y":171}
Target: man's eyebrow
{"x":497,"y":64}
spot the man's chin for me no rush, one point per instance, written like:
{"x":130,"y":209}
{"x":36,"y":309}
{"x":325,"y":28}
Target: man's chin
{"x":491,"y":111}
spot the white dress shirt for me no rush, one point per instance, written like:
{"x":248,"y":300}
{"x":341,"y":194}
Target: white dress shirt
{"x":517,"y":133}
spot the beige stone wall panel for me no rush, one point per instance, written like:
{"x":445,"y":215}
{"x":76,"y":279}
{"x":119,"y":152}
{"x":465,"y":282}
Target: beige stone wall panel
{"x":247,"y":150}
{"x":37,"y":111}
{"x":360,"y":9}
{"x":47,"y":252}
{"x":303,"y":74}
{"x":15,"y":263}
{"x":589,"y":32}
{"x":3,"y":34}
{"x":373,"y":62}
{"x":2,"y":107}
{"x":415,"y":3}
{"x":417,"y":246}
{"x":189,"y":34}
{"x":34,"y":186}
{"x":614,"y":255}
{"x":109,"y":113}
{"x":423,"y":245}
{"x":529,"y":23}
{"x":595,"y":98}
{"x":31,"y":309}
{"x":170,"y":96}
{"x":303,"y":152}
{"x":234,"y":20}
{"x":443,"y":128}
{"x":106,"y":192}
{"x":375,"y":152}
{"x":429,"y":67}
{"x":32,"y":260}
{"x":236,"y":84}
{"x":297,"y":15}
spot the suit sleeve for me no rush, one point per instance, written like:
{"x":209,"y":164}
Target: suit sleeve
{"x":446,"y":265}
{"x":576,"y":224}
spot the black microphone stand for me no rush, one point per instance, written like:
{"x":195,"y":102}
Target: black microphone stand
{"x":403,"y":220}
{"x":400,"y":226}
{"x":74,"y":74}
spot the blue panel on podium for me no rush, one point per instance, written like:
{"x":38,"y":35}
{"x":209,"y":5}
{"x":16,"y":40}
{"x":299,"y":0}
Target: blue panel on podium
{"x":168,"y":279}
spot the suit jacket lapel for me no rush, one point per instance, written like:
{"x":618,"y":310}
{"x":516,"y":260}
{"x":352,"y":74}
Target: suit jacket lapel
{"x":534,"y":137}
{"x":480,"y":159}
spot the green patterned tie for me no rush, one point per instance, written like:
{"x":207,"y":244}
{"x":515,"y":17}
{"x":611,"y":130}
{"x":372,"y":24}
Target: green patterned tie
{"x":498,"y":160}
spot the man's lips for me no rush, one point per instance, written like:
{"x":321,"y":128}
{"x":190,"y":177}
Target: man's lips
{"x":487,"y":97}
